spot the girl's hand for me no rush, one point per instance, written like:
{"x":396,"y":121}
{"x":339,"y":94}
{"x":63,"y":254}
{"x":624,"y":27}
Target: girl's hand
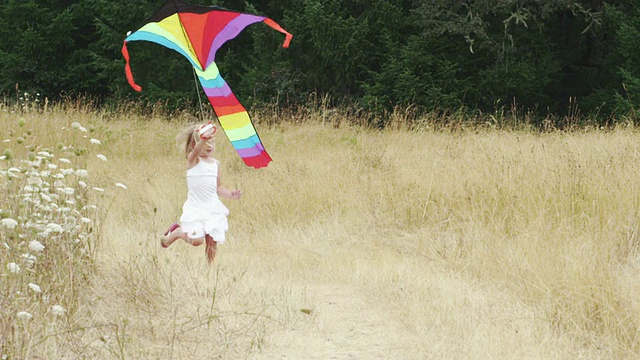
{"x":206,"y":132}
{"x":236,"y":194}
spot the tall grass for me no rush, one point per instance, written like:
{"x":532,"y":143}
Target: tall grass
{"x":418,"y":241}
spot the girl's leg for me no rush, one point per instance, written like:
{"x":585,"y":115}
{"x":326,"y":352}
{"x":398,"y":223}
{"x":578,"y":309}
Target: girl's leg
{"x":195,"y":241}
{"x":211,"y":248}
{"x":173,"y":234}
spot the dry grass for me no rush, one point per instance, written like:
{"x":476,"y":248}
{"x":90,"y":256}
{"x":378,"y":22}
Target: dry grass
{"x":363,"y":244}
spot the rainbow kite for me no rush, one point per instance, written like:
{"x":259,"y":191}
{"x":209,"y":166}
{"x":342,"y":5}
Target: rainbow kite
{"x":197,"y":32}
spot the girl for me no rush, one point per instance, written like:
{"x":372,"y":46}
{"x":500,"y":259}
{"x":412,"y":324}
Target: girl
{"x":204,"y":216}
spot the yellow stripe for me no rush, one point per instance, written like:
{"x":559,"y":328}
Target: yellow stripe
{"x":210,"y":73}
{"x":240,"y":133}
{"x":235,"y":121}
{"x":173,"y":32}
{"x":237,"y":126}
{"x":172,"y":25}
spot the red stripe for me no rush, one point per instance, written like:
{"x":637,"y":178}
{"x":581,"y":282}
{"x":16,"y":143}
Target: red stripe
{"x":259,"y":161}
{"x":217,"y":101}
{"x":216,"y":22}
{"x":127,"y":69}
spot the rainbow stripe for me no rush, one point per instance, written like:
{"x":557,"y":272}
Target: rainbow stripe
{"x":197,"y":32}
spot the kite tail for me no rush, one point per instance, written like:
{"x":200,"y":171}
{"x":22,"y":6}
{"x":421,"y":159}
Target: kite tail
{"x":127,"y":69}
{"x":274,"y":25}
{"x":236,"y":123}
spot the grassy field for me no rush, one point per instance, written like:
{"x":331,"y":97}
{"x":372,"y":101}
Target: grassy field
{"x":353,"y":244}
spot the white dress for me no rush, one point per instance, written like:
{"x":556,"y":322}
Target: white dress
{"x":203,"y":212}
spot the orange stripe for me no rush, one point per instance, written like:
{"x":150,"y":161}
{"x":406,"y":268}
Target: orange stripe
{"x":227,"y":110}
{"x":274,"y":25}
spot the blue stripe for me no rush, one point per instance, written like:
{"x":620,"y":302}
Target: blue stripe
{"x":246,"y":143}
{"x":218,"y":82}
{"x":151,"y":37}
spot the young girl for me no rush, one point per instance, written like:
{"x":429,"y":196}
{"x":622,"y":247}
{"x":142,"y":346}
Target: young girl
{"x":204,"y":216}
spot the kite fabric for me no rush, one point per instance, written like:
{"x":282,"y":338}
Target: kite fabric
{"x":197,"y":32}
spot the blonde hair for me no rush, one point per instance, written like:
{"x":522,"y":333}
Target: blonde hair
{"x":188,"y":138}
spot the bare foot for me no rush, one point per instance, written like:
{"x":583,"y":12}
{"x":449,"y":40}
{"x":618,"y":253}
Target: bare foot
{"x":170,"y":236}
{"x":211,"y":249}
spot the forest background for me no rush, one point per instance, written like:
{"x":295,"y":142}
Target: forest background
{"x":547,"y":59}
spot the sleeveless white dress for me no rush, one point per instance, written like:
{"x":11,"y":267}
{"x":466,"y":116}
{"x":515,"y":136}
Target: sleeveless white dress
{"x":203,"y":212}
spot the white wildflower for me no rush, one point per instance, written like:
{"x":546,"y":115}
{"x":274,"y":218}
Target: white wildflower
{"x":102,"y":157}
{"x":34,"y":287}
{"x":7,"y":246}
{"x":13,"y":169}
{"x":29,"y":259}
{"x":66,"y":161}
{"x":13,"y":267}
{"x":76,"y":125}
{"x":35,"y":246}
{"x":68,"y":190}
{"x":3,"y":157}
{"x":121,"y":185}
{"x":95,"y":141}
{"x":52,"y":166}
{"x":85,"y":220}
{"x":9,"y":223}
{"x":82,"y":173}
{"x":23,"y":315}
{"x":45,"y":153}
{"x":93,"y":207}
{"x":46,"y":197}
{"x":58,"y":310}
{"x":98,"y":189}
{"x":53,"y":227}
{"x":34,"y":180}
{"x":27,"y":188}
{"x":82,"y":184}
{"x":66,"y":172}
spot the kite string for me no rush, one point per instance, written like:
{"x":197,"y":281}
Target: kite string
{"x":195,"y":80}
{"x":195,"y":76}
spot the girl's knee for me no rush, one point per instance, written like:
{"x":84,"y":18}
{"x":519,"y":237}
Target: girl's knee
{"x":196,"y":242}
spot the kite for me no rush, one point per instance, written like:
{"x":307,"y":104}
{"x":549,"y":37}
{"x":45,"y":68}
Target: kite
{"x":197,"y":32}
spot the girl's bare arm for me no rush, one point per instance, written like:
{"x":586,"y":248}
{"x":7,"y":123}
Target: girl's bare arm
{"x":224,"y":192}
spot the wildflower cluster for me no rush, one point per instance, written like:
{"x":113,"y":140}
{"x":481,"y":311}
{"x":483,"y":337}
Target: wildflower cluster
{"x":29,"y":101}
{"x":48,"y":232}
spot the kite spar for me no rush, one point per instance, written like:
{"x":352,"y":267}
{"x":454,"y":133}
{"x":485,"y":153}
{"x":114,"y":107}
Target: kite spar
{"x":197,"y":32}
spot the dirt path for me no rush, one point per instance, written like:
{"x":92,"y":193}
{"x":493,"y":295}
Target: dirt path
{"x":345,"y":324}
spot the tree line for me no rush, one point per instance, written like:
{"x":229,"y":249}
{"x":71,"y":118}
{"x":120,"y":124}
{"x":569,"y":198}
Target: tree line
{"x":553,"y":57}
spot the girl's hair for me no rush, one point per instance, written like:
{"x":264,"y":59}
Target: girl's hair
{"x":189,"y":138}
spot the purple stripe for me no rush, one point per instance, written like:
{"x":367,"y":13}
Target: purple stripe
{"x":250,"y":152}
{"x":221,"y":91}
{"x":233,"y":28}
